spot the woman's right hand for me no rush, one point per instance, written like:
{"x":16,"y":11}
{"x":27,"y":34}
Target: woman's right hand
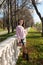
{"x":19,"y":40}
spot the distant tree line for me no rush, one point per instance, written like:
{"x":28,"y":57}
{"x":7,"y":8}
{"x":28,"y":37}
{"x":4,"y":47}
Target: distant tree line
{"x":13,"y":10}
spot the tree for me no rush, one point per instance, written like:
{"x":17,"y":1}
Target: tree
{"x":11,"y":17}
{"x":19,"y":7}
{"x":38,"y":13}
{"x":38,"y":27}
{"x":8,"y":21}
{"x":18,"y":11}
{"x":26,"y":15}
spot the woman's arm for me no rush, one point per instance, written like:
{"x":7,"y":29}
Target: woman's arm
{"x":25,"y":31}
{"x":17,"y":33}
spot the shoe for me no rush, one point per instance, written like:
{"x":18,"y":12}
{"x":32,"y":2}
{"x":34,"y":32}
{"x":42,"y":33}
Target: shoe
{"x":25,"y":55}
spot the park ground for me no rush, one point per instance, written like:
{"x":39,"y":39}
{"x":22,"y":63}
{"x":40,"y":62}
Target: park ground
{"x":35,"y":49}
{"x":34,"y":45}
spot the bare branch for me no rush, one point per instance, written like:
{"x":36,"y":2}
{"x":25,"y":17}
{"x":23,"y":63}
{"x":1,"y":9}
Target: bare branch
{"x":34,"y":4}
{"x":2,"y":3}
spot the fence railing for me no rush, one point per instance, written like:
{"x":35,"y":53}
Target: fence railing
{"x":9,"y":51}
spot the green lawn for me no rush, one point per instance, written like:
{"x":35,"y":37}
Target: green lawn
{"x":35,"y":50}
{"x":5,"y":36}
{"x":34,"y":45}
{"x":33,"y":29}
{"x":2,"y":30}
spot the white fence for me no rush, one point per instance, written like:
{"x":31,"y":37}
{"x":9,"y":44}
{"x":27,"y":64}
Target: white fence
{"x":9,"y":51}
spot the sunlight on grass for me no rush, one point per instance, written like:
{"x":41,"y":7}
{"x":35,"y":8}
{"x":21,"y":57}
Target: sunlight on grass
{"x":33,"y":29}
{"x":1,"y":29}
{"x":35,"y":49}
{"x":5,"y":36}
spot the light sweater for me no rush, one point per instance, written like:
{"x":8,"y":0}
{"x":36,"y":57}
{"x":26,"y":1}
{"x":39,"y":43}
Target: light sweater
{"x":20,"y":32}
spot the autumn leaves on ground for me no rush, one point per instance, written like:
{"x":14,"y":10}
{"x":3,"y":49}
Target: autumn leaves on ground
{"x":35,"y":49}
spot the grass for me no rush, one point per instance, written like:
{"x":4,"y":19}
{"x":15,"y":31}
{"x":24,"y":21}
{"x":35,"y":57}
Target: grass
{"x":35,"y":49}
{"x":5,"y":36}
{"x":33,"y":29}
{"x":34,"y":45}
{"x":2,"y":30}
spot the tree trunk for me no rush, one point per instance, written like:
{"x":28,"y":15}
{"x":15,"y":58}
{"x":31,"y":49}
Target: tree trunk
{"x":42,"y":27}
{"x":8,"y":23}
{"x":15,"y":13}
{"x":38,"y":13}
{"x":8,"y":29}
{"x":12,"y":25}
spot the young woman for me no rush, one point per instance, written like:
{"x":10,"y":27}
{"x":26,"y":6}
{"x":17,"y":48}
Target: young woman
{"x":21,"y":35}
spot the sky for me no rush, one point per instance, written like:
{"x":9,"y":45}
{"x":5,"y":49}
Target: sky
{"x":1,"y":13}
{"x":40,"y":8}
{"x":35,"y":16}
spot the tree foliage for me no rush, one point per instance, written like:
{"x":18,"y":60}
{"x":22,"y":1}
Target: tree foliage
{"x":17,"y":6}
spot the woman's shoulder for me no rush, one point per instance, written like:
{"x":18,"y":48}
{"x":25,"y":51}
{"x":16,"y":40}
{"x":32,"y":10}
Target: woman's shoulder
{"x":20,"y":27}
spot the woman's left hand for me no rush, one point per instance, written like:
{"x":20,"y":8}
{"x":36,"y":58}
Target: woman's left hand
{"x":26,"y":31}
